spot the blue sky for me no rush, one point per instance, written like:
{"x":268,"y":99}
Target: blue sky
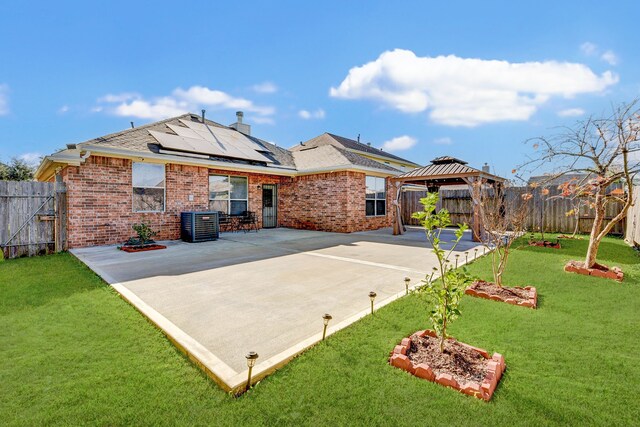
{"x":469,"y":79}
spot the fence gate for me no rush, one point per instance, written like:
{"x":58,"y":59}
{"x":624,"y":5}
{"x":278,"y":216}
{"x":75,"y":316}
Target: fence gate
{"x":33,"y":218}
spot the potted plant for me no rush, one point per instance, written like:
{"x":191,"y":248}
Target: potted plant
{"x":142,"y":241}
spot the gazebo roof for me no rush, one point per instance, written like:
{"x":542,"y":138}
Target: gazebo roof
{"x":446,"y":168}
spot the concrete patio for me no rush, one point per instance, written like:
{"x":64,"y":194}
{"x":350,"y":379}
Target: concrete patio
{"x":265,"y":291}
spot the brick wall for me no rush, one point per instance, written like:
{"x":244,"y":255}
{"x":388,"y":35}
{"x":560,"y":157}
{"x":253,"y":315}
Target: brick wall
{"x":330,"y":202}
{"x":99,"y":196}
{"x":100,"y":201}
{"x":255,"y":182}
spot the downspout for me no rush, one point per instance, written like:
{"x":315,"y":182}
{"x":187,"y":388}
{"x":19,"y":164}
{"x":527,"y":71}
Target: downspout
{"x":85,"y":156}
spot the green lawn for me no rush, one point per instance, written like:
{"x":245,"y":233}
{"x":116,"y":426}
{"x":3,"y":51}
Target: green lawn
{"x":73,"y":352}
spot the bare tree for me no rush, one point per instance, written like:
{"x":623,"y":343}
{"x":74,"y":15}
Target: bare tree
{"x":503,"y":215}
{"x":607,"y":151}
{"x":579,"y":199}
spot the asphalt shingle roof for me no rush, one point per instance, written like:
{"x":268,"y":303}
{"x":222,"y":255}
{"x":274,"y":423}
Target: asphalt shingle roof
{"x":140,"y":140}
{"x":325,"y":156}
{"x":340,"y":141}
{"x":331,"y":151}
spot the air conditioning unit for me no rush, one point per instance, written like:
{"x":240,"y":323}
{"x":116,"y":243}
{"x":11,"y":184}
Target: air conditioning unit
{"x":199,"y":226}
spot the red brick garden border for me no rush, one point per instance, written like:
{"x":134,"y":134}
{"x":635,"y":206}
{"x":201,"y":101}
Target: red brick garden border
{"x":142,"y":248}
{"x":598,"y":270}
{"x":545,"y":244}
{"x":532,"y":302}
{"x":484,"y":390}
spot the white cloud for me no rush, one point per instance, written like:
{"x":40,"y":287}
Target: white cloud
{"x":307,"y":115}
{"x":399,"y":143}
{"x":32,"y":159}
{"x":591,"y":49}
{"x":262,"y":120}
{"x":64,"y":109}
{"x":120,"y":97}
{"x":443,"y":141}
{"x":179,"y":102}
{"x":571,"y":112}
{"x":465,"y":91}
{"x":4,"y":99}
{"x":265,"y":87}
{"x":609,"y":57}
{"x":588,"y":48}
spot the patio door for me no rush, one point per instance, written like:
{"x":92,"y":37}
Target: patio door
{"x":269,"y":206}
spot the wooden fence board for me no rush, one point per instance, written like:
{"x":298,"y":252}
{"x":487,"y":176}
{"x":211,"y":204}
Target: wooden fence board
{"x":555,"y":219}
{"x":632,"y":234}
{"x":29,"y":217}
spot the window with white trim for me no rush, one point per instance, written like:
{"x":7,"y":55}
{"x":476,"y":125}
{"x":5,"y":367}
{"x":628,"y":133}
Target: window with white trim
{"x":228,"y":194}
{"x":148,"y":181}
{"x":376,"y":196}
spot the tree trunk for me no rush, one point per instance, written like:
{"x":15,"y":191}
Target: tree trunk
{"x":594,"y":240}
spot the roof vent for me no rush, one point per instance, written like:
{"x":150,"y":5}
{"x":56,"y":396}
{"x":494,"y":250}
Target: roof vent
{"x":239,"y":126}
{"x":486,"y":168}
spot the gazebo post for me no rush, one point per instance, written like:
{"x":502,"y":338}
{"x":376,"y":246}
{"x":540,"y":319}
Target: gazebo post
{"x":477,"y":218}
{"x":397,"y":221}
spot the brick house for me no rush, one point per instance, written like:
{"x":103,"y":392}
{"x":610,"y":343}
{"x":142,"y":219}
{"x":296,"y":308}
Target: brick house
{"x":154,"y":172}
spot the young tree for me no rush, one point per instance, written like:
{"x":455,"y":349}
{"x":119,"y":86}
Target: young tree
{"x":444,"y":292}
{"x":607,"y":151}
{"x":18,"y":170}
{"x":504,"y":217}
{"x":4,"y":172}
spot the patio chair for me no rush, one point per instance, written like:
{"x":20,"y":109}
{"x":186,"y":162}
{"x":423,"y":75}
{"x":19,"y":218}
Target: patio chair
{"x":248,"y":221}
{"x":225,"y":221}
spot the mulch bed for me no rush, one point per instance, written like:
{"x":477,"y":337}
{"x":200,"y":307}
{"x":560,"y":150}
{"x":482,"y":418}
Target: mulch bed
{"x":598,"y":270}
{"x":465,"y":368}
{"x":143,"y":248}
{"x":545,"y":244}
{"x":525,"y":297}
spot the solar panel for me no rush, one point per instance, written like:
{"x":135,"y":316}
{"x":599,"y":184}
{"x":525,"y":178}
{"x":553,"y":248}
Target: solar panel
{"x":210,"y":140}
{"x":218,"y":134}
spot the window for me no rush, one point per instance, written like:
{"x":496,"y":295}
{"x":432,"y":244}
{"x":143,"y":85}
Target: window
{"x":228,"y":194}
{"x":148,"y":187}
{"x":375,"y":197}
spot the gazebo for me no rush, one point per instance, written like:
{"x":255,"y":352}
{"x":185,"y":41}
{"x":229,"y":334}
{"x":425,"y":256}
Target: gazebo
{"x":444,"y":171}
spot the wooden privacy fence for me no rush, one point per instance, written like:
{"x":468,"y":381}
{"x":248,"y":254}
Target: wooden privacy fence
{"x":555,"y":208}
{"x":33,"y":217}
{"x":632,"y":235}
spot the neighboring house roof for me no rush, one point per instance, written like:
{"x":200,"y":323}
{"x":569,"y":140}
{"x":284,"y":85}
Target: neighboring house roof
{"x":312,"y":158}
{"x":349,"y":144}
{"x":161,"y":141}
{"x":446,"y":166}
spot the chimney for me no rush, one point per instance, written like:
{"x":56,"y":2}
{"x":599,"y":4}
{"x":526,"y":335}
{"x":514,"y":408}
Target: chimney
{"x":203,"y":112}
{"x":239,"y":126}
{"x":486,"y":168}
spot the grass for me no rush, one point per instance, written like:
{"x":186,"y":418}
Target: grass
{"x":73,"y":352}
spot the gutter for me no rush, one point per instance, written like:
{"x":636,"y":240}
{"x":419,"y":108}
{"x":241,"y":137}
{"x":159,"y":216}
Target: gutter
{"x":212,"y":164}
